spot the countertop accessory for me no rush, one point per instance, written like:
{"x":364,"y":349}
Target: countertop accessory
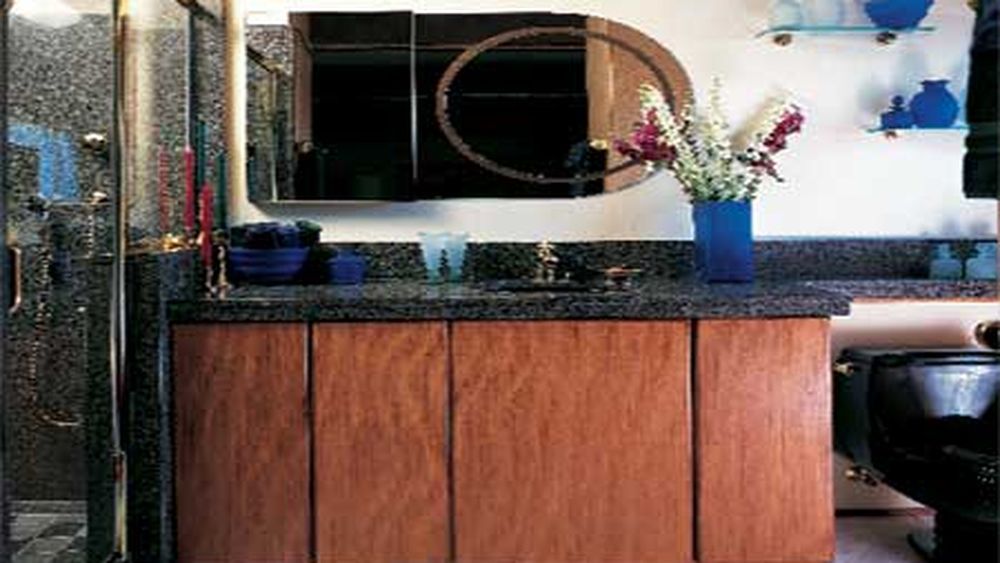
{"x":934,"y":107}
{"x":719,"y":176}
{"x":723,"y":241}
{"x":983,"y":266}
{"x":267,"y":266}
{"x":270,"y":252}
{"x":347,"y":268}
{"x":897,"y":14}
{"x":944,"y":266}
{"x":432,"y":250}
{"x":455,"y":245}
{"x":898,"y":116}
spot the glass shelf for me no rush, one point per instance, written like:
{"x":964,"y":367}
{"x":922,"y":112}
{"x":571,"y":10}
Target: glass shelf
{"x":891,"y":133}
{"x":883,"y":35}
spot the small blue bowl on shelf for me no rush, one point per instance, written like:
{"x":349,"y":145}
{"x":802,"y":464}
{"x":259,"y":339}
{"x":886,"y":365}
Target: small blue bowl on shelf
{"x":266,"y":266}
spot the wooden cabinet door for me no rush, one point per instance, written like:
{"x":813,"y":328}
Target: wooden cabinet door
{"x":381,"y":490}
{"x":572,"y":441}
{"x":241,"y":443}
{"x":764,"y":440}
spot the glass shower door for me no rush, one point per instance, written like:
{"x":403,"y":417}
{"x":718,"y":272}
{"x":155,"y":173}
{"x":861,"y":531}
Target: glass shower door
{"x":59,"y":189}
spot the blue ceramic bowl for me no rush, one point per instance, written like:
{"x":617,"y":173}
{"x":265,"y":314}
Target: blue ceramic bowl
{"x":279,"y":265}
{"x":898,"y":14}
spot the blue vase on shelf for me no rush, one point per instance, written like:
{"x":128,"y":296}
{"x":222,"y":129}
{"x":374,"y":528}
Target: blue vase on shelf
{"x":723,"y":241}
{"x":898,"y":117}
{"x":934,"y":107}
{"x":897,"y":14}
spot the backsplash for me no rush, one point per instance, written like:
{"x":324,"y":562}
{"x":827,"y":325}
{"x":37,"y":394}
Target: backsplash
{"x":821,"y":259}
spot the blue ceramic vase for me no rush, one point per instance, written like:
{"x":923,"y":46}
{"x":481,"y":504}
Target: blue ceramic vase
{"x":898,"y":117}
{"x":934,"y":106}
{"x":897,"y":14}
{"x":723,"y":241}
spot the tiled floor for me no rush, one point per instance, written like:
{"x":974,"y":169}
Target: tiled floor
{"x":61,"y":538}
{"x":878,"y":539}
{"x":49,"y":533}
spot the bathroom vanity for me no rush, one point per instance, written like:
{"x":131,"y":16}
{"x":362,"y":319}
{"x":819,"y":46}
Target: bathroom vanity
{"x":403,"y":422}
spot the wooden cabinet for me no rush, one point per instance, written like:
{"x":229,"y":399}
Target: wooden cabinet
{"x":763,"y":408}
{"x":555,"y":442}
{"x":380,"y":396}
{"x":242,"y":467}
{"x":572,"y":441}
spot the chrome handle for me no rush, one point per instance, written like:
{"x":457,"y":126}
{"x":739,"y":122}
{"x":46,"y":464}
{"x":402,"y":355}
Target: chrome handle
{"x":96,"y":142}
{"x":861,"y":475}
{"x":844,"y":368}
{"x":16,"y":272}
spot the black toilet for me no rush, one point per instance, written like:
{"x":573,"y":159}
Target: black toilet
{"x":925,"y":422}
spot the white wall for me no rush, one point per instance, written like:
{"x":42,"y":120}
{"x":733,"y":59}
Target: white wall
{"x":841,"y":181}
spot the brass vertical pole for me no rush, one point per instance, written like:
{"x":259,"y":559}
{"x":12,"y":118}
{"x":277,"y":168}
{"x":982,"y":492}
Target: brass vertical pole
{"x":117,"y":340}
{"x":4,"y":280}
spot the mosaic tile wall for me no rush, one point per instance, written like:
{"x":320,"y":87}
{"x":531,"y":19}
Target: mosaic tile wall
{"x":59,"y":216}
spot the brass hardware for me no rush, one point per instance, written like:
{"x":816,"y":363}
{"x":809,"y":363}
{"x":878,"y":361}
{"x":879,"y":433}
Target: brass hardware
{"x":620,"y":277}
{"x":782,"y":39}
{"x":987,"y":334}
{"x":886,"y":38}
{"x":545,"y":271}
{"x":99,"y":198}
{"x":221,"y":286}
{"x":861,"y":475}
{"x":844,"y":368}
{"x":16,"y":272}
{"x":96,"y":142}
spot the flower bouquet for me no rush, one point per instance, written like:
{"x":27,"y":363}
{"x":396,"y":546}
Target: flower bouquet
{"x":720,"y":172}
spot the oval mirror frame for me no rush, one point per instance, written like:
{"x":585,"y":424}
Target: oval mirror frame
{"x":673,"y":82}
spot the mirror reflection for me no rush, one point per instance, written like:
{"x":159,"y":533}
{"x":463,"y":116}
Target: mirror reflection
{"x":352,"y":106}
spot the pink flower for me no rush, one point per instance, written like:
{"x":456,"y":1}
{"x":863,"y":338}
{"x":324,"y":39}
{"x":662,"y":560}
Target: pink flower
{"x":789,"y":124}
{"x":645,"y":145}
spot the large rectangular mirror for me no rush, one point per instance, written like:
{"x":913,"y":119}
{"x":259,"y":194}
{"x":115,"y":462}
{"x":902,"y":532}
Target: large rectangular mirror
{"x":397,"y":106}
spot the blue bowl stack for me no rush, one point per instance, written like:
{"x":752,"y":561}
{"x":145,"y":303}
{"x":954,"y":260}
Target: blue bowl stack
{"x":270,"y":253}
{"x":267,"y":266}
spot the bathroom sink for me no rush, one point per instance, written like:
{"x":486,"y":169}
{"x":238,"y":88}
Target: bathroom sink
{"x":532,"y":286}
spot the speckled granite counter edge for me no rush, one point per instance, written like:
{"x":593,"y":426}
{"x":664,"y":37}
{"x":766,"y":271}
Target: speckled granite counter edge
{"x":703,"y":303}
{"x":913,"y":290}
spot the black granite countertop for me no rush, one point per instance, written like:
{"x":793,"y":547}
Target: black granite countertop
{"x":912,"y":289}
{"x":412,"y":300}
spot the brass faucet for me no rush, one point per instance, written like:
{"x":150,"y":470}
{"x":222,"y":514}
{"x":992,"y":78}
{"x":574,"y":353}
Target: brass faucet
{"x":545,"y":271}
